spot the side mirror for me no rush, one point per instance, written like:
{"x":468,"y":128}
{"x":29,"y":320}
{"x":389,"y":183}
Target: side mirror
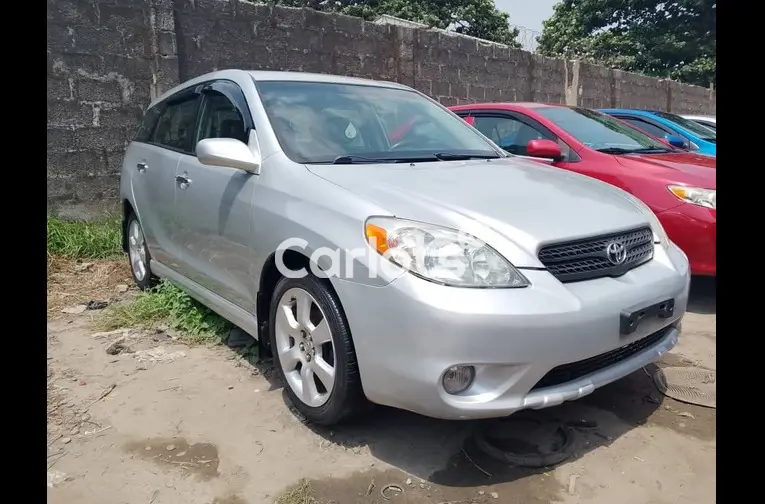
{"x":229,"y":153}
{"x":676,"y":141}
{"x":470,"y":120}
{"x":544,"y":149}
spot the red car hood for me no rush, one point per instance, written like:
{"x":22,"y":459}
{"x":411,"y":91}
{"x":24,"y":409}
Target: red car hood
{"x":686,"y":168}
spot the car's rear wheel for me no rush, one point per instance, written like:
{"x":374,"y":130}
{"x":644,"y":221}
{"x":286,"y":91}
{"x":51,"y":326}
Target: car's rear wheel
{"x":140,"y":258}
{"x":313,"y":351}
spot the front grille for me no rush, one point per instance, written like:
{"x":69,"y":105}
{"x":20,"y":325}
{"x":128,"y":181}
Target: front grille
{"x":575,"y":370}
{"x":589,"y":258}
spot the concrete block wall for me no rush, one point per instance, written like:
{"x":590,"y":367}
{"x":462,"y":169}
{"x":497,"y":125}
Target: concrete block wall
{"x":108,"y":58}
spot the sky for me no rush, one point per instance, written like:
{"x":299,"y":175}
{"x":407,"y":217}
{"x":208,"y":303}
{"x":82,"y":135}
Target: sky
{"x":527,"y":13}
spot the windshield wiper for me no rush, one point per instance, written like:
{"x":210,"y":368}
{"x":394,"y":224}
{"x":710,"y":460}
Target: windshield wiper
{"x":349,"y":159}
{"x":643,"y":150}
{"x":456,"y":156}
{"x":651,"y":150}
{"x":614,"y":150}
{"x":424,"y":158}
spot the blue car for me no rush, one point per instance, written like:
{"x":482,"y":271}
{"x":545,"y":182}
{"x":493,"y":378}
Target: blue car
{"x":692,"y":135}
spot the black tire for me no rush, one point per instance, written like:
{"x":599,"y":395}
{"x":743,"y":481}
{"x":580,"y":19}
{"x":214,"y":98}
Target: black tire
{"x":347,"y":398}
{"x":149,"y":280}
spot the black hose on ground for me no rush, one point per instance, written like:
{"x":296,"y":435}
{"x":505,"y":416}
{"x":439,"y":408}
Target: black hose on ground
{"x":527,"y":442}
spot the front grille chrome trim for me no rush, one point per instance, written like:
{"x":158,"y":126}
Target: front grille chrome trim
{"x":587,"y":258}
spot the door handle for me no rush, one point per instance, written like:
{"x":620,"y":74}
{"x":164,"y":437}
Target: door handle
{"x":183,"y":181}
{"x":141,"y":167}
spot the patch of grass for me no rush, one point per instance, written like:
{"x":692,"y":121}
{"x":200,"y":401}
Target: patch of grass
{"x":168,"y":305}
{"x":100,"y":239}
{"x":299,"y":493}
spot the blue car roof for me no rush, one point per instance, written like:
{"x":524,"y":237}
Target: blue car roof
{"x":626,"y":110}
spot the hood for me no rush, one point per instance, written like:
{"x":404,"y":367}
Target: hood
{"x":682,"y":167}
{"x":708,"y":148}
{"x":524,"y":201}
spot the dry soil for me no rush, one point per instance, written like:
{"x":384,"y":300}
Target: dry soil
{"x":160,"y":422}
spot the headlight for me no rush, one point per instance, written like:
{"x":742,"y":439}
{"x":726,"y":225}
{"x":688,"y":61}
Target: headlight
{"x":441,"y":255}
{"x":695,"y":195}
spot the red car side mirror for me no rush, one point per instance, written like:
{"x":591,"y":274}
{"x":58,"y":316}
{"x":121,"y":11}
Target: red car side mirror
{"x":470,"y":120}
{"x":544,"y":149}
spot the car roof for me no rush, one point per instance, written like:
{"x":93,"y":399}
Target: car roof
{"x":274,"y":75}
{"x":507,"y":106}
{"x":701,"y":117}
{"x":629,"y":110}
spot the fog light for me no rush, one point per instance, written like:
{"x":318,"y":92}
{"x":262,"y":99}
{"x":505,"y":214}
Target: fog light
{"x":458,"y":378}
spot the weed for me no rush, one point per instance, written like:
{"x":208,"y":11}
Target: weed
{"x":99,"y":239}
{"x":297,"y":494}
{"x":169,"y":305}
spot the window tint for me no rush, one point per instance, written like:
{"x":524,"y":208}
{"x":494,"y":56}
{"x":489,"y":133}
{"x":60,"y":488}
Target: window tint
{"x":221,"y":119}
{"x":319,"y":122}
{"x":176,"y":125}
{"x":148,"y":123}
{"x":509,"y":133}
{"x":694,"y":127}
{"x":513,"y":135}
{"x":599,"y":131}
{"x":647,"y":127}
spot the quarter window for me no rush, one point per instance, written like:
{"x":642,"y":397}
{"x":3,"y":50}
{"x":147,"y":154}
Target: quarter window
{"x":149,"y":122}
{"x":175,"y":129}
{"x":221,"y":119}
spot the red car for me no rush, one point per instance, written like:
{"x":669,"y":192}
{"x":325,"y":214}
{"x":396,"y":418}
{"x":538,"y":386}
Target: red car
{"x":680,"y":187}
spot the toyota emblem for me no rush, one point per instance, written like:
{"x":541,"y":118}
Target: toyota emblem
{"x":616,"y":253}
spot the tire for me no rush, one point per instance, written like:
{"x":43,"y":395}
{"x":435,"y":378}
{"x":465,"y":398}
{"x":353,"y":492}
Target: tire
{"x":345,"y":398}
{"x":138,"y":252}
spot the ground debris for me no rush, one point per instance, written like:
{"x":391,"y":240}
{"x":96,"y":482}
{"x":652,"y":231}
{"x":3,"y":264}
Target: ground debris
{"x":81,"y":267}
{"x":121,"y":332}
{"x":96,"y":305}
{"x":572,"y":484}
{"x":74,"y":310}
{"x":56,"y":477}
{"x":158,"y":354}
{"x":117,"y":347}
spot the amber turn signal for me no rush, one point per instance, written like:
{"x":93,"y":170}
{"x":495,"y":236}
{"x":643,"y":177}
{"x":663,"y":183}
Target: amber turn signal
{"x":377,"y":237}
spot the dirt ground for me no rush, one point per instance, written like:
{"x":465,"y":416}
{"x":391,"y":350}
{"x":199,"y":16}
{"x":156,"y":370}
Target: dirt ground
{"x":154,"y":421}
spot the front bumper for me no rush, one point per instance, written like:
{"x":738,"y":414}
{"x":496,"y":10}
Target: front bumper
{"x":409,"y":332}
{"x":694,"y":230}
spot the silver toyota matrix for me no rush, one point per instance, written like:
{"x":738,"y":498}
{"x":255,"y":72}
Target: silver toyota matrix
{"x":387,"y":252}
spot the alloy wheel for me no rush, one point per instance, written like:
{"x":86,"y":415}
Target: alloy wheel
{"x":305,"y":347}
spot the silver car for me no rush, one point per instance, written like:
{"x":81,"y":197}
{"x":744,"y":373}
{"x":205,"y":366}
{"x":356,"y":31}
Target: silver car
{"x":387,"y":252}
{"x":705,"y":120}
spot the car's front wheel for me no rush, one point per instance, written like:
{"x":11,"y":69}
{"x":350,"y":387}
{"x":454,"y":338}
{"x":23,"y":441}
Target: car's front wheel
{"x":138,"y":253}
{"x":313,"y":351}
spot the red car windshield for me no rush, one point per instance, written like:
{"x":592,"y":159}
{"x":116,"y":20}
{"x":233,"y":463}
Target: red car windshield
{"x":601,"y":132}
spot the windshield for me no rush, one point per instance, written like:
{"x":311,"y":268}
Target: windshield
{"x":601,"y":132}
{"x":348,"y":123}
{"x":697,"y":129}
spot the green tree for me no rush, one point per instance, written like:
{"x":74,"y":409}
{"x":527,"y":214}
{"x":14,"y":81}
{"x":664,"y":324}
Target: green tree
{"x":662,"y":38}
{"x":477,"y":18}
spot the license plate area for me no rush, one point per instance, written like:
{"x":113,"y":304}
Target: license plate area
{"x":630,"y":319}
